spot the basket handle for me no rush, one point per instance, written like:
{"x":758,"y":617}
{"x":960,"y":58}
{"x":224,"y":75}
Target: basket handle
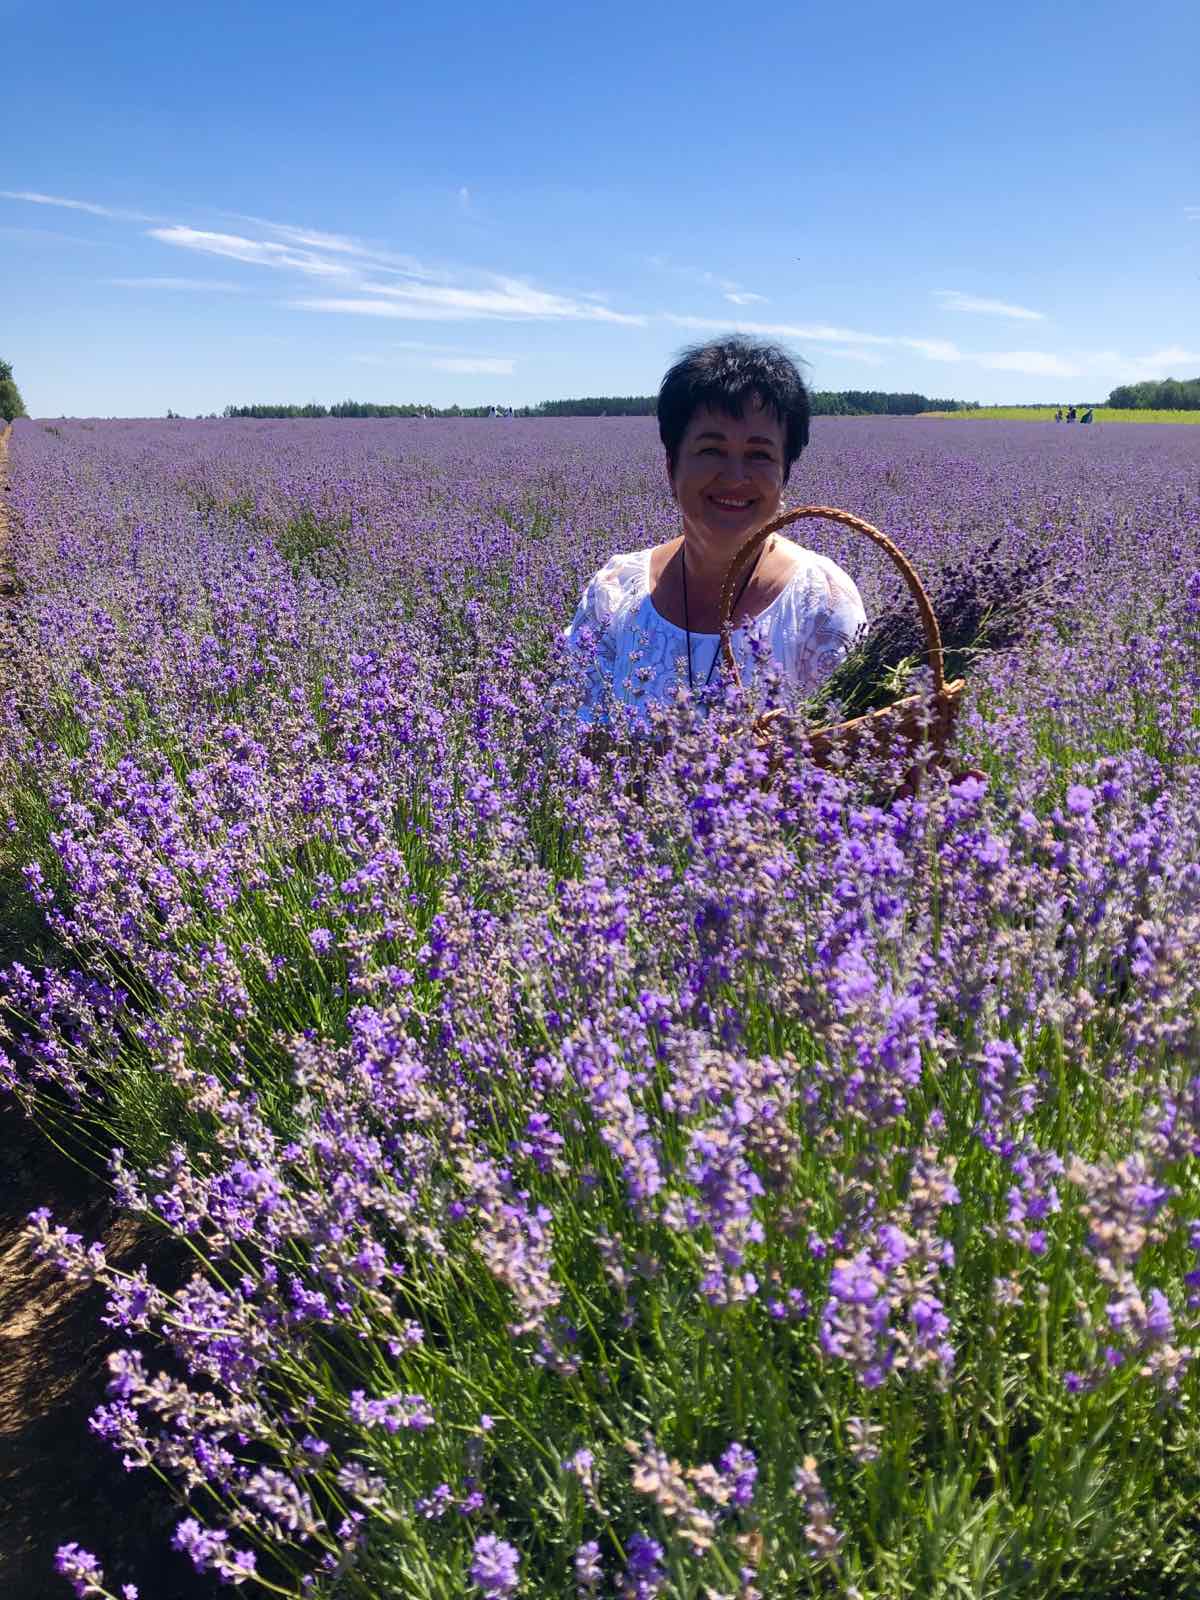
{"x":754,"y":543}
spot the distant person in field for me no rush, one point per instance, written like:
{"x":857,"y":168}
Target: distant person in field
{"x":1058,"y":415}
{"x":1087,"y":415}
{"x":1071,"y":414}
{"x":733,"y":418}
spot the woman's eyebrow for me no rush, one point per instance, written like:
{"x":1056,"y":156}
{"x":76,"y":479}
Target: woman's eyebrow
{"x":755,"y":438}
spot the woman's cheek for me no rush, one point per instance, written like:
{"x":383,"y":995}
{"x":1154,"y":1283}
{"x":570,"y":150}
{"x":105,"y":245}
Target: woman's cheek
{"x":773,"y":492}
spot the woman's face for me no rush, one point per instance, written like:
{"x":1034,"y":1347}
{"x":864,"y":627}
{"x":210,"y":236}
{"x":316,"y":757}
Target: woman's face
{"x":728,"y":478}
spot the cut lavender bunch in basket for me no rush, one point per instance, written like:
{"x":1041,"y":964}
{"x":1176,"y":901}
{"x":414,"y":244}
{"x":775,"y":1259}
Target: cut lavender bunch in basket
{"x":982,"y":606}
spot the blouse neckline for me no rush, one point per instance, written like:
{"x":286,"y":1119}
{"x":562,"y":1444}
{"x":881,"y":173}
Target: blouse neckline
{"x":648,"y":600}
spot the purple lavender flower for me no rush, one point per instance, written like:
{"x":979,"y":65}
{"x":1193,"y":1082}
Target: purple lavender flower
{"x":823,"y":1537}
{"x":740,"y":1467}
{"x":589,"y":1570}
{"x":391,"y":1412}
{"x":210,"y":1551}
{"x":494,"y":1565}
{"x":80,"y":1568}
{"x":644,"y":1574}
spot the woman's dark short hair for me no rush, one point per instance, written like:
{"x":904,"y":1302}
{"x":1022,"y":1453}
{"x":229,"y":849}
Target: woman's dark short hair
{"x":723,"y":376}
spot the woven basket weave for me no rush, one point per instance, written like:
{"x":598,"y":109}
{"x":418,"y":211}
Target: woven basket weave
{"x":910,"y":722}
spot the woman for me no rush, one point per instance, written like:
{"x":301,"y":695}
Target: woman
{"x":733,"y":417}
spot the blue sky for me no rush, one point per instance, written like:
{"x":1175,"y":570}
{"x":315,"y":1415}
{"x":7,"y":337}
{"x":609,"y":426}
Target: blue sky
{"x":514,"y":201}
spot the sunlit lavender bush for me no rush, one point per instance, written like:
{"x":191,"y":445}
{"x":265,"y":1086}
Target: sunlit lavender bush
{"x":613,"y":1174}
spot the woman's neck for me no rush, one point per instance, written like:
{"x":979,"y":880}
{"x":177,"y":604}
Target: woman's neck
{"x":707,"y":562}
{"x":707,"y":565}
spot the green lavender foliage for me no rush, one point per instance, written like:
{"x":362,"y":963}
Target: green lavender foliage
{"x":272,"y":849}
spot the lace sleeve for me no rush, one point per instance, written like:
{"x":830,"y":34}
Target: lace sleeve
{"x":590,"y":634}
{"x":837,"y":618}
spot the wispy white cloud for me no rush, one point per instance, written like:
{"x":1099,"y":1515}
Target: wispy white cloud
{"x":1170,"y":362}
{"x":464,"y":199}
{"x":315,"y":239}
{"x":932,"y":349}
{"x":823,"y":333}
{"x":90,"y":206}
{"x":868,"y":358}
{"x":487,"y":364}
{"x":729,"y":288}
{"x":256,"y":252}
{"x":369,"y":280}
{"x":1192,"y":213}
{"x":218,"y":285}
{"x":733,"y":291}
{"x":769,"y":330}
{"x":55,"y":200}
{"x":344,"y":244}
{"x":857,"y":346}
{"x":398,"y":351}
{"x":511,"y":299}
{"x":360,"y":308}
{"x":415,"y":298}
{"x":1037,"y":363}
{"x":955,"y":300}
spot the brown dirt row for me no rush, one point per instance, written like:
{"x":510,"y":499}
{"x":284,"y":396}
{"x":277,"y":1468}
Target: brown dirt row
{"x":58,"y":1482}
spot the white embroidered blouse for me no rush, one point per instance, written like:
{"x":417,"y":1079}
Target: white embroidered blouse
{"x":642,"y":657}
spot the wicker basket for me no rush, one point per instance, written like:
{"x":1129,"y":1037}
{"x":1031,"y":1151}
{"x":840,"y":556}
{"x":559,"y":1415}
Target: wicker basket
{"x":911,"y":722}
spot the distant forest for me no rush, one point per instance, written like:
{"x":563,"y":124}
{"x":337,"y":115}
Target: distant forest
{"x":1168,"y":394}
{"x":11,"y":404}
{"x":825,"y":403}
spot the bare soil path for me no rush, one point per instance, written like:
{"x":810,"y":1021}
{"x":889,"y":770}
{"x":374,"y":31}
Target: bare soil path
{"x":57,"y":1481}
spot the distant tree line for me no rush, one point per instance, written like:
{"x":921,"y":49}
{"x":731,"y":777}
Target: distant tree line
{"x":879,"y":403}
{"x":1165,"y":394}
{"x":611,"y":405}
{"x":825,"y":403}
{"x":11,"y":404}
{"x":606,"y":405}
{"x":353,"y":408}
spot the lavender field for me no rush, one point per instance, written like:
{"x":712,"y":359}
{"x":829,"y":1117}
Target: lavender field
{"x":603,"y":1175}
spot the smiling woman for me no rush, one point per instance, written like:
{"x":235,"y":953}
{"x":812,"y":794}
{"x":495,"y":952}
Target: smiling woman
{"x":733,"y":418}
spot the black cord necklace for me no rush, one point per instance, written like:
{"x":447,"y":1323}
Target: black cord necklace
{"x":686,"y":625}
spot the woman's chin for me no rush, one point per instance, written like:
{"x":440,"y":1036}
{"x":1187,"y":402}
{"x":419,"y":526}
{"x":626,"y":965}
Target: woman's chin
{"x":724,"y":528}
